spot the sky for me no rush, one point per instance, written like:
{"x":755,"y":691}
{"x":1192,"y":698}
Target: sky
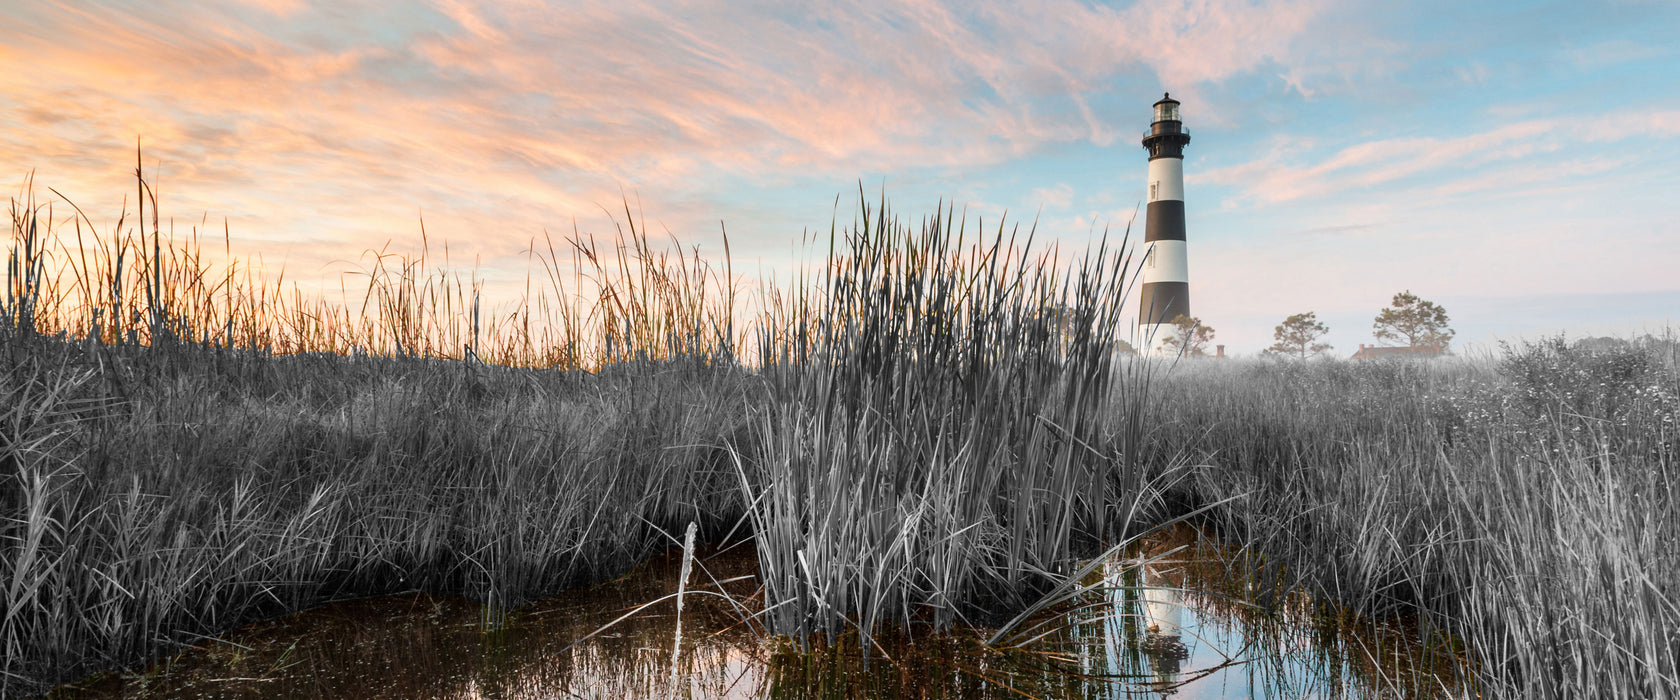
{"x":1516,"y":162}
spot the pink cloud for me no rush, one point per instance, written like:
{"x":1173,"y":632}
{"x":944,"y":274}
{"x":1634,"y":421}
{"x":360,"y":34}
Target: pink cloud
{"x":278,"y":8}
{"x":500,"y":119}
{"x":634,"y":85}
{"x":1273,"y":178}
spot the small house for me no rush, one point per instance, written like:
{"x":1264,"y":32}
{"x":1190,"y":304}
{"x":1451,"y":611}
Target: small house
{"x":1372,"y":352}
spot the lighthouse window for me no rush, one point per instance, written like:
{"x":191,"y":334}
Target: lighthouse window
{"x":1166,"y":112}
{"x":1154,"y":187}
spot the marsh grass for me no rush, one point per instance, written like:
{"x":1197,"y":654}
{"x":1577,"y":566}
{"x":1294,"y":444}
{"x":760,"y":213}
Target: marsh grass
{"x":197,"y":502}
{"x":938,"y":446}
{"x":184,"y":447}
{"x":937,"y":430}
{"x":1522,"y":509}
{"x":595,"y":303}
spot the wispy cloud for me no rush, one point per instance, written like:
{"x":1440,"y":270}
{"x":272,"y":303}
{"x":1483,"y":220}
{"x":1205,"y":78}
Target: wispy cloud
{"x":1615,"y":51}
{"x":321,"y":128}
{"x":1058,"y":197}
{"x":632,"y":90}
{"x":507,"y":117}
{"x":1447,"y":164}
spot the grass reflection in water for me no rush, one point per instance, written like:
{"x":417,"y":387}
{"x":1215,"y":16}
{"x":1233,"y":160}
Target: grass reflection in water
{"x":1188,"y":624}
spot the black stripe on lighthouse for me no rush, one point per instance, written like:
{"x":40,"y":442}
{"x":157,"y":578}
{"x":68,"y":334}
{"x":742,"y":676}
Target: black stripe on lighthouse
{"x":1165,"y":222}
{"x":1162,"y":302}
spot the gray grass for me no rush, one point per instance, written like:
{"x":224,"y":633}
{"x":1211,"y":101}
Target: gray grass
{"x":937,"y":430}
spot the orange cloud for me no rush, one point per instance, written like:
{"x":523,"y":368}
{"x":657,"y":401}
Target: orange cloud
{"x":319,"y":130}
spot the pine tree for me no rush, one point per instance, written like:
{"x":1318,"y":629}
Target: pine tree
{"x":1418,"y":323}
{"x":1298,"y":336}
{"x":1190,"y":334}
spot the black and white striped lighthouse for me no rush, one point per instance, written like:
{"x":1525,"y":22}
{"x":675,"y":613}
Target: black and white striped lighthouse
{"x":1166,"y":269}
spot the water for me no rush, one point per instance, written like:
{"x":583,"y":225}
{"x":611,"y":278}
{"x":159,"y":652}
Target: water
{"x":1174,"y":627}
{"x":1168,"y":638}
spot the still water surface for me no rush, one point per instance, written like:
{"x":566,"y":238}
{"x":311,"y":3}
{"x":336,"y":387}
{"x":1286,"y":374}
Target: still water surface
{"x":1181,"y":626}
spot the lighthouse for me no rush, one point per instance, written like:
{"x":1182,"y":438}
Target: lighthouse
{"x":1166,"y":269}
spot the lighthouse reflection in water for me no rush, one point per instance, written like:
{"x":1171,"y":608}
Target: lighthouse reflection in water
{"x":1153,"y":637}
{"x":1179,"y":620}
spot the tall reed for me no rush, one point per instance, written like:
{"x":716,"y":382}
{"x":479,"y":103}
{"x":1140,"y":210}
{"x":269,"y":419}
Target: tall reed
{"x":940,"y":442}
{"x":185,"y":446}
{"x":595,"y":303}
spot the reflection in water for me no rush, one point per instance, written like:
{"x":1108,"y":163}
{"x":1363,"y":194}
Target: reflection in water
{"x":422,"y":646}
{"x":1176,"y":626}
{"x":1179,"y":621}
{"x":1163,"y":627}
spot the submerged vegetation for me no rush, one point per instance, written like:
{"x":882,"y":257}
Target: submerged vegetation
{"x":937,"y":429}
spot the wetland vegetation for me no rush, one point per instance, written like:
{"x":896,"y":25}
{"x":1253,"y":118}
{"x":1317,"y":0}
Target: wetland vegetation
{"x":933,"y":432}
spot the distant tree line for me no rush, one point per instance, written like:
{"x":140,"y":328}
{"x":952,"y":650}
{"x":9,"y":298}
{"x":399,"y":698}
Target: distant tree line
{"x":1408,"y":321}
{"x":1665,"y":346}
{"x":1418,"y":323}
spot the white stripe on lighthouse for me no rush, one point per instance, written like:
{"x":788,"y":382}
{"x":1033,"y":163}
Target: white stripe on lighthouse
{"x":1152,"y":338}
{"x":1166,"y":261}
{"x":1166,"y":179}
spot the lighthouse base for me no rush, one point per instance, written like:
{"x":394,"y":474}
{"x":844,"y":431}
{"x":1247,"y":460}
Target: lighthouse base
{"x":1153,"y":339}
